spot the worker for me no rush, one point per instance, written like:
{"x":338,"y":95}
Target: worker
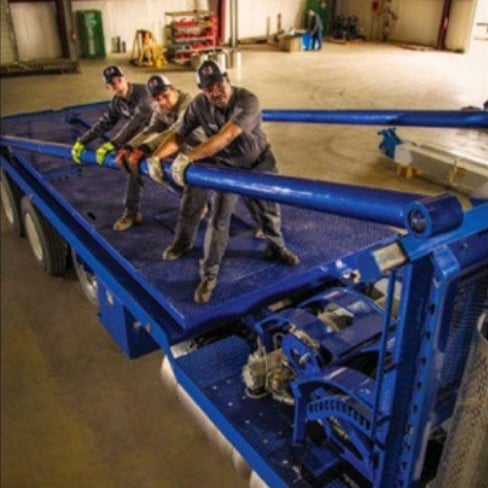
{"x":315,"y":29}
{"x":130,"y":102}
{"x":231,"y":119}
{"x":169,"y":104}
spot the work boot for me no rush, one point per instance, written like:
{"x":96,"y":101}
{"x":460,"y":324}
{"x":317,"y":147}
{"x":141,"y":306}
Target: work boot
{"x":127,"y":221}
{"x":281,"y":254}
{"x":204,"y":290}
{"x":175,"y":251}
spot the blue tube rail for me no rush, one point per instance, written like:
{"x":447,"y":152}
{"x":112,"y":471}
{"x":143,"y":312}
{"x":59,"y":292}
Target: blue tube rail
{"x":412,"y":118}
{"x":423,"y":216}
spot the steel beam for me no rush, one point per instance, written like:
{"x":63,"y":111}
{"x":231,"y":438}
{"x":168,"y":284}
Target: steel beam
{"x":424,"y":216}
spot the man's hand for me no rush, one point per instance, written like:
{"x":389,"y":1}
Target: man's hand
{"x":76,"y":151}
{"x":134,"y":159}
{"x":178,"y":168}
{"x":103,"y":150}
{"x":155,"y":169}
{"x":121,"y":158}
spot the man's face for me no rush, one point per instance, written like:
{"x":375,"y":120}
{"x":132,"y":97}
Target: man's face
{"x":166,"y":100}
{"x":218,"y":93}
{"x":119,"y":85}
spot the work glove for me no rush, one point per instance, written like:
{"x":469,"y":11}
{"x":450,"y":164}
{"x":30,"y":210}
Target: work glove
{"x":155,"y":169}
{"x":178,"y":168}
{"x":121,"y":158}
{"x":76,"y":150}
{"x":134,"y":159}
{"x":103,"y":150}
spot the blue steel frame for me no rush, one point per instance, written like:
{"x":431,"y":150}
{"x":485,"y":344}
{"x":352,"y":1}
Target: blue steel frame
{"x":389,"y":426}
{"x":408,"y":389}
{"x":111,"y":270}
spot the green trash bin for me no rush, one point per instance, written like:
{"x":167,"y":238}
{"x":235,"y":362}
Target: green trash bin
{"x":90,"y":33}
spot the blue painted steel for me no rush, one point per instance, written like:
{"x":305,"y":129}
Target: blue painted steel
{"x":412,"y":118}
{"x":224,"y":358}
{"x":423,"y":217}
{"x":389,"y":142}
{"x":128,"y":333}
{"x":382,"y":206}
{"x":94,"y":251}
{"x":372,"y":371}
{"x":474,"y":221}
{"x":431,"y":216}
{"x":387,"y":326}
{"x":383,"y":423}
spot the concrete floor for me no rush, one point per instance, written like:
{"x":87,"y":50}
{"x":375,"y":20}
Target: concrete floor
{"x":75,"y":412}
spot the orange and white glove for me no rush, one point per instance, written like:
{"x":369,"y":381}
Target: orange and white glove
{"x":121,"y":158}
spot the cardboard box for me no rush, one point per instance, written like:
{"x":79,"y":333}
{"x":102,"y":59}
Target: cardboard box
{"x":290,"y":43}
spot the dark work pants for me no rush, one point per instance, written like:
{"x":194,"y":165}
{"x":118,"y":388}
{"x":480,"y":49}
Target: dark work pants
{"x":267,"y":215}
{"x":133,"y":194}
{"x":218,"y":227}
{"x":317,"y":38}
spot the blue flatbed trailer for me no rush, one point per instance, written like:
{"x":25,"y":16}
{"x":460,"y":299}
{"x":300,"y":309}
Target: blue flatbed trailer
{"x":340,"y":371}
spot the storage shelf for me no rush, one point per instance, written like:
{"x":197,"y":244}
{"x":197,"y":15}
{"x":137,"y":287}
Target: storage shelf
{"x":187,"y":31}
{"x":189,"y":13}
{"x":193,"y":39}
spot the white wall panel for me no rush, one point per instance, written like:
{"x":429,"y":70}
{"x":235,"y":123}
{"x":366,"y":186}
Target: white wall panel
{"x":36,"y":30}
{"x":477,"y":55}
{"x":122,"y":18}
{"x":7,"y":53}
{"x":457,"y":38}
{"x":257,"y":18}
{"x":418,"y":20}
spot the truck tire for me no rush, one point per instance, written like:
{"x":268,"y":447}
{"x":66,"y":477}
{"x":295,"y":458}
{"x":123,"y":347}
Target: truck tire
{"x":11,"y":197}
{"x":48,"y":247}
{"x":87,"y":279}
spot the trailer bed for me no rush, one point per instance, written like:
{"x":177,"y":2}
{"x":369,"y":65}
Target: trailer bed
{"x":316,"y":375}
{"x":246,"y":279}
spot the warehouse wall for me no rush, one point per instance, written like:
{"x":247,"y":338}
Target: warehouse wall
{"x":418,"y":20}
{"x":123,"y":17}
{"x":7,"y":52}
{"x":259,"y":18}
{"x":36,"y":31}
{"x":477,"y":54}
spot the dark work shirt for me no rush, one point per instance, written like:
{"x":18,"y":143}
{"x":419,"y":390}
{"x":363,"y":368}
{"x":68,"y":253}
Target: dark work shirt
{"x":316,"y":23}
{"x":161,"y":123}
{"x":242,"y":110}
{"x":136,"y":109}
